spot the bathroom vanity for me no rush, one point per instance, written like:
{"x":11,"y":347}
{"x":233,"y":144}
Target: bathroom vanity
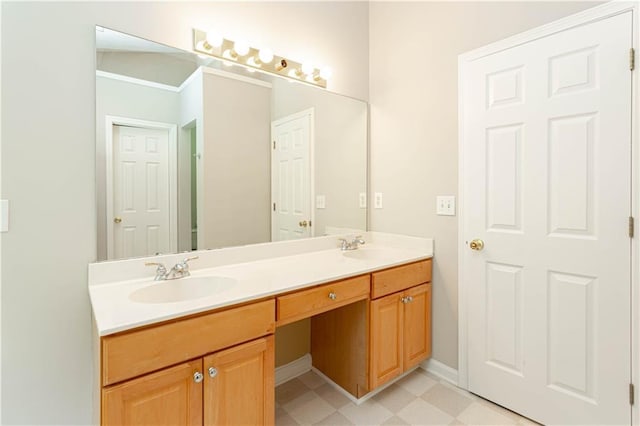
{"x":210,"y":359}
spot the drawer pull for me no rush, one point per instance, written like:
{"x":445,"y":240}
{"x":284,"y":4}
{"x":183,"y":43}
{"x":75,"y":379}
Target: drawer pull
{"x":333,"y":296}
{"x":198,"y":377}
{"x":213,"y":372}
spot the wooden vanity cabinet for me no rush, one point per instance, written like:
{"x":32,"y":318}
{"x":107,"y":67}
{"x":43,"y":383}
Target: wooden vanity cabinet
{"x":236,"y":387}
{"x":230,"y":382}
{"x":400,"y":321}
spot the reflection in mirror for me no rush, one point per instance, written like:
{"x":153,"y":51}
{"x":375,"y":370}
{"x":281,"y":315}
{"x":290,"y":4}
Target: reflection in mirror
{"x":193,"y":154}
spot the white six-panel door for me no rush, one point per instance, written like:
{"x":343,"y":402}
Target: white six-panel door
{"x":547,"y":186}
{"x":291,"y":177}
{"x":140,"y":192}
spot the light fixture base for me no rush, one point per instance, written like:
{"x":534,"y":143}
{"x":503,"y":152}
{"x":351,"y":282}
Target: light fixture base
{"x":279,"y":65}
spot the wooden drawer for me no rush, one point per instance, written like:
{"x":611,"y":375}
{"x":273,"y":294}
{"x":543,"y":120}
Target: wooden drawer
{"x":134,"y":353}
{"x":399,"y":278}
{"x":306,"y":303}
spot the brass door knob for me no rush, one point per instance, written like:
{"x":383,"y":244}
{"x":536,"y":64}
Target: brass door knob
{"x":476,"y":244}
{"x":303,"y":223}
{"x":117,"y":219}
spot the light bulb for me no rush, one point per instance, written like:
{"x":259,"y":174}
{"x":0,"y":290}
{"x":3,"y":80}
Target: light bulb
{"x":214,"y":40}
{"x":326,"y":73}
{"x":307,"y":68}
{"x":241,"y":48}
{"x":265,"y":56}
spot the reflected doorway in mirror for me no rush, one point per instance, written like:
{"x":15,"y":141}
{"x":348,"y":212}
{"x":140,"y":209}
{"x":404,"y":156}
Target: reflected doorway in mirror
{"x":291,"y":184}
{"x":141,"y":176}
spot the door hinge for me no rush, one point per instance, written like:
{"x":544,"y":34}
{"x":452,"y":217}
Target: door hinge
{"x":274,"y":207}
{"x":631,"y":227}
{"x":274,"y":144}
{"x":632,"y":394}
{"x":632,"y":59}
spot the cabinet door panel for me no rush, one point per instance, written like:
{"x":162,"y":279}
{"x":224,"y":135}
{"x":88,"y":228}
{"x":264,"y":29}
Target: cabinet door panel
{"x":166,"y":398}
{"x":242,"y":391}
{"x":386,"y":339}
{"x":417,"y":325}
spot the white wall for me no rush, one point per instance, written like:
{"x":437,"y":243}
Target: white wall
{"x":236,"y":163}
{"x":48,"y":166}
{"x":414,"y":141}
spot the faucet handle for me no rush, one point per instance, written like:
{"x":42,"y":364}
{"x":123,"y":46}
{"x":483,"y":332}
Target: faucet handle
{"x":183,"y":267}
{"x":161,"y":272}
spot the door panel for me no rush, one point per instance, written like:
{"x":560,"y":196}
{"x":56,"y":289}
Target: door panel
{"x":291,"y":185}
{"x":166,"y":398}
{"x":547,"y":187}
{"x":140,"y":192}
{"x":417,"y":326}
{"x":386,"y":339}
{"x":242,"y":390}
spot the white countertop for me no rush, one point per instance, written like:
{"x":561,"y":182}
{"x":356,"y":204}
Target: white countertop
{"x":114,"y":311}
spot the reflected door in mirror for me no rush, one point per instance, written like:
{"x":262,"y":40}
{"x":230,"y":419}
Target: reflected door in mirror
{"x":140,"y":192}
{"x":291,"y":188}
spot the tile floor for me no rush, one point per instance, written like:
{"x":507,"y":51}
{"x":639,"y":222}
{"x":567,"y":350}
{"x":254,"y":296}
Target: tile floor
{"x":417,"y":399}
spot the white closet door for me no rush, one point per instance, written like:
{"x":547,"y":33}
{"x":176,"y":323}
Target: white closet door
{"x":291,"y":177}
{"x":547,"y":187}
{"x":140,"y":192}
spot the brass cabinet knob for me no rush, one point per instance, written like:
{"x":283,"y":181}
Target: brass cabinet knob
{"x":117,"y":219}
{"x":333,"y":296}
{"x":198,"y":377}
{"x":303,"y":223}
{"x":213,"y":372}
{"x":476,"y":244}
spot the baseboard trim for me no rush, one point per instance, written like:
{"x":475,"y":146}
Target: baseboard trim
{"x":286,"y":372}
{"x":441,"y":370}
{"x":374,"y":392}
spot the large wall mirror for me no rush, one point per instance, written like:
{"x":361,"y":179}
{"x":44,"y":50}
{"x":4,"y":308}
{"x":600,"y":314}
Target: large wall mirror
{"x":195,"y":154}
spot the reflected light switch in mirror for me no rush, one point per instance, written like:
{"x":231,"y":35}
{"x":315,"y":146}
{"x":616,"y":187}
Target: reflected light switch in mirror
{"x":362,"y":200}
{"x":4,"y":215}
{"x":320,"y":202}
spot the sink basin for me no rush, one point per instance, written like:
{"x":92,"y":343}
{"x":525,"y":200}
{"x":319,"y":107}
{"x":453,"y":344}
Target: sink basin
{"x":181,"y":289}
{"x":367,"y":254}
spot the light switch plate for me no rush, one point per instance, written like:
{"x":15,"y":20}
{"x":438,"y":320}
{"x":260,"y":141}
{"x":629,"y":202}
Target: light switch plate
{"x":446,"y":205}
{"x":362,"y":200}
{"x":377,"y":200}
{"x":4,"y":215}
{"x":320,"y":201}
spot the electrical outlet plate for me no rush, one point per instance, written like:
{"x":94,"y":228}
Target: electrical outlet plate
{"x":320,"y":201}
{"x":377,"y":201}
{"x":446,"y":205}
{"x":362,"y":200}
{"x":4,"y":215}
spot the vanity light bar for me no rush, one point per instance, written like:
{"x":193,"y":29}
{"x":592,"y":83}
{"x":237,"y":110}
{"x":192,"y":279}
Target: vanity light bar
{"x":261,"y":59}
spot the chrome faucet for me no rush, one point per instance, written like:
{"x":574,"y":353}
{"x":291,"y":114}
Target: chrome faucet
{"x":179,"y":270}
{"x":353,"y":245}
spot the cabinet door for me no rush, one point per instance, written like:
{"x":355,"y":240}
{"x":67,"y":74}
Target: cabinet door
{"x":169,"y":397}
{"x":386,"y":339}
{"x":417,"y":325}
{"x":240,"y":389}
